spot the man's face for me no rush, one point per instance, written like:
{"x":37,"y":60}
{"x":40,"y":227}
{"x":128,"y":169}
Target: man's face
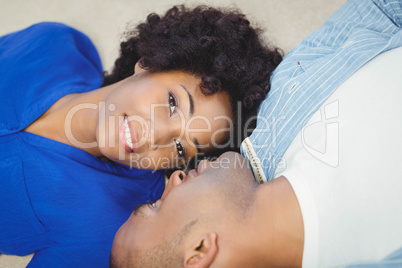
{"x":199,"y":191}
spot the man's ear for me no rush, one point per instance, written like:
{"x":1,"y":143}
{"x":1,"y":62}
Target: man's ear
{"x":137,"y":68}
{"x":203,"y":253}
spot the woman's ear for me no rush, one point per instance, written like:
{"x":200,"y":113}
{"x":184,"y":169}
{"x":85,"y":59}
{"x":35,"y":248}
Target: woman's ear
{"x":203,"y":254}
{"x":137,"y":68}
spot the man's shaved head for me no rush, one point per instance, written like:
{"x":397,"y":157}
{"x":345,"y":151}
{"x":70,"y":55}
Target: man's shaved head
{"x":164,"y":254}
{"x":181,"y":227}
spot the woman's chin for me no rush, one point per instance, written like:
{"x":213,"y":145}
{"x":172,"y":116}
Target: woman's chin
{"x":135,"y":160}
{"x":115,"y":154}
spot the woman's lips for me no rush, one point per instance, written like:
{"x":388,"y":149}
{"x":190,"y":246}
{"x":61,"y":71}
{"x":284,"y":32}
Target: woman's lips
{"x":127,"y":136}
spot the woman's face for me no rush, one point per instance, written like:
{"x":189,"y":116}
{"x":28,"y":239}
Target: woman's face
{"x":161,"y":120}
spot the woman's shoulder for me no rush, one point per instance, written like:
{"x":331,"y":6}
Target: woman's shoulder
{"x":39,"y":65}
{"x":54,"y":32}
{"x":49,"y":25}
{"x":44,"y":33}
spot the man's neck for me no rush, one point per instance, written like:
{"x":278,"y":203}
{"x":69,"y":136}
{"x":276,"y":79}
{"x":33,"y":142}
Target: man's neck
{"x":278,"y":219}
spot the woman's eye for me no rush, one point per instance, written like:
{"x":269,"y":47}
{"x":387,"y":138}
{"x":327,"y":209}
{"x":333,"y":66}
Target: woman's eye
{"x":179,"y":148}
{"x":172,"y":103}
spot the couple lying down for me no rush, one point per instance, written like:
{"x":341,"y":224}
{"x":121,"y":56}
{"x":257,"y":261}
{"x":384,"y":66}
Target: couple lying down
{"x":317,"y":186}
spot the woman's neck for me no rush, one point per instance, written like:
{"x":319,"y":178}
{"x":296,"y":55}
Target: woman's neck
{"x":73,"y":119}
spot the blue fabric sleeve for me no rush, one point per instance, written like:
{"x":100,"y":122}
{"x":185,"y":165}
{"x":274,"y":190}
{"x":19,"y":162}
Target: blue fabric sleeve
{"x":38,"y":66}
{"x":391,"y":9}
{"x":394,"y":260}
{"x":313,"y":70}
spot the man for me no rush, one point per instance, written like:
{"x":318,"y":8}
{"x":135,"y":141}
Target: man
{"x":333,"y":207}
{"x":203,"y":221}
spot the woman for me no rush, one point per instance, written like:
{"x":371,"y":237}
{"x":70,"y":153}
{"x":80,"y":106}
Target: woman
{"x":79,"y":151}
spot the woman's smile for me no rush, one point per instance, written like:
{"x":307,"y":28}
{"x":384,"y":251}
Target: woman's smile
{"x":127,"y":136}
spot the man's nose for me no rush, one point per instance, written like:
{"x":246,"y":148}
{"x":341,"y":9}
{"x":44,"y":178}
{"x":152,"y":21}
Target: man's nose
{"x":175,"y":179}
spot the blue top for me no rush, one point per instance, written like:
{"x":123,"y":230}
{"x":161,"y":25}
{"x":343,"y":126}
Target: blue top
{"x":56,"y":200}
{"x":394,"y":260}
{"x":356,"y":33}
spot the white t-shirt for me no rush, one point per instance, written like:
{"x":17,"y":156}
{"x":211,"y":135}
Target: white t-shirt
{"x":345,"y":167}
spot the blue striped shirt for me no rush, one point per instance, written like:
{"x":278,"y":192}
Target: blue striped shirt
{"x":356,"y":33}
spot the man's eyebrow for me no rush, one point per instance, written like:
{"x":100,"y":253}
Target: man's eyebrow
{"x":138,"y":212}
{"x":191,"y":101}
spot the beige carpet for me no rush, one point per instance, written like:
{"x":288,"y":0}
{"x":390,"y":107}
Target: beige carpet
{"x":286,"y":23}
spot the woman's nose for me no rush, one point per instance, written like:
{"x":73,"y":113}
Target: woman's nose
{"x":165,"y":130}
{"x":175,"y":179}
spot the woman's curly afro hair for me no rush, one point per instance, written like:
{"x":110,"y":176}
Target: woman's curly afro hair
{"x":216,"y":45}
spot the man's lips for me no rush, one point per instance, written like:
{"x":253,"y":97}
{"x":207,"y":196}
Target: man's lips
{"x":202,"y":166}
{"x":127,"y":136}
{"x":193,"y":172}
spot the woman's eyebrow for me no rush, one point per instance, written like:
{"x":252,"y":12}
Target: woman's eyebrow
{"x":197,"y":145}
{"x":190,"y":112}
{"x":190,"y":100}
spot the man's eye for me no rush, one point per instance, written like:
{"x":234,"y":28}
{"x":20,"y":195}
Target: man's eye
{"x":172,"y":103}
{"x":151,"y":203}
{"x":179,"y":148}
